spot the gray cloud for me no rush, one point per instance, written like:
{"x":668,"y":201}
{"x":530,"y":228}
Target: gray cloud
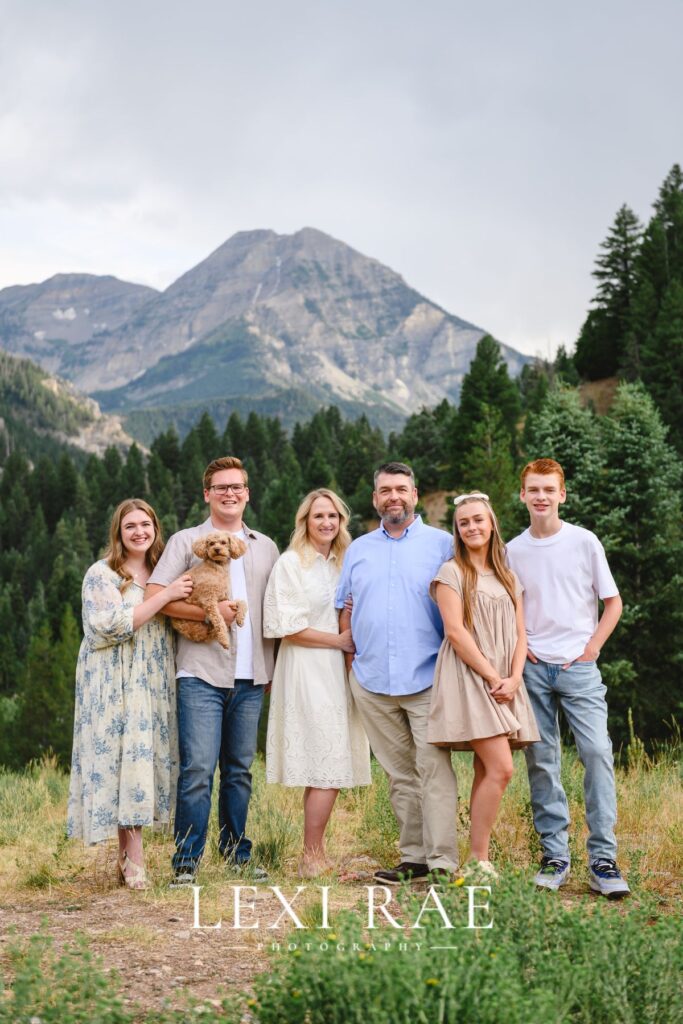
{"x":480,"y":152}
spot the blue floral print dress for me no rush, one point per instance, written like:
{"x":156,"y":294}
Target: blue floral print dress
{"x":125,"y":751}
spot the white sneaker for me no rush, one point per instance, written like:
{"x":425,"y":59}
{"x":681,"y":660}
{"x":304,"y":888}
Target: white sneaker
{"x":553,"y":873}
{"x":480,"y":869}
{"x":604,"y":877}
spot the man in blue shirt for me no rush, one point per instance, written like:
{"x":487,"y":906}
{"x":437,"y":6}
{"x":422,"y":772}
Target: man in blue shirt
{"x":397,"y":631}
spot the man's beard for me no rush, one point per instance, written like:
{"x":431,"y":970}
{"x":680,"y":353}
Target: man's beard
{"x":397,"y":518}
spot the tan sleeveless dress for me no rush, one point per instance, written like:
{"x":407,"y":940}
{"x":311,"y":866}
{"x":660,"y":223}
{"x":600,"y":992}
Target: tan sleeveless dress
{"x":462,"y":706}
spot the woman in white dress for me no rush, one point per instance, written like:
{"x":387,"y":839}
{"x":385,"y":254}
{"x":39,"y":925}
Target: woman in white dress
{"x":315,"y":738}
{"x":124,"y":761}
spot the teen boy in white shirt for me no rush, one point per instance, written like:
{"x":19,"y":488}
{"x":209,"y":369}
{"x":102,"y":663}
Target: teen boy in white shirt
{"x":564,"y":571}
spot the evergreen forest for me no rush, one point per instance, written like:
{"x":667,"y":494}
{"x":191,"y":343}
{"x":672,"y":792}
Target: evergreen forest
{"x":624,"y":472}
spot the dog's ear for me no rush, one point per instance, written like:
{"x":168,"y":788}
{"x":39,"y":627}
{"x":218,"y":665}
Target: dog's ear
{"x":236,"y":547}
{"x":199,"y":547}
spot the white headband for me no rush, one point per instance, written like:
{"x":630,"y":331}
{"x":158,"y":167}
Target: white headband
{"x":475,"y":494}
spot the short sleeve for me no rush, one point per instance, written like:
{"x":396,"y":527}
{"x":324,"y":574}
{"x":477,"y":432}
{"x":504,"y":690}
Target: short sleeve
{"x":176,"y":559}
{"x":285,"y":605}
{"x":106,"y":619}
{"x":519,"y":589}
{"x":344,"y":584}
{"x":603,"y":580}
{"x":448,"y":574}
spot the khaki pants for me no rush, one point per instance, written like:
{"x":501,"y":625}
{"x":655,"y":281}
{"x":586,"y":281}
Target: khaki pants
{"x":422,"y":782}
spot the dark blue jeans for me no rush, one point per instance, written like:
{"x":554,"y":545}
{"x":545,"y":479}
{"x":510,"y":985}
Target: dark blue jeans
{"x":215,"y":726}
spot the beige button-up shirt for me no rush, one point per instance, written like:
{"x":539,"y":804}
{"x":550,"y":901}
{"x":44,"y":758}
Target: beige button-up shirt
{"x":209,"y":661}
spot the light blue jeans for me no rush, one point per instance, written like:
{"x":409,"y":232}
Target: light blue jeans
{"x":579,"y":692}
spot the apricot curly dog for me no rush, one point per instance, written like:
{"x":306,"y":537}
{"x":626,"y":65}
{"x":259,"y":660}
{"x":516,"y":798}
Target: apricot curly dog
{"x":211,"y":579}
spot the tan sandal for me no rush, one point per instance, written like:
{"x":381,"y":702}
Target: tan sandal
{"x":313,"y":867}
{"x":132,"y":875}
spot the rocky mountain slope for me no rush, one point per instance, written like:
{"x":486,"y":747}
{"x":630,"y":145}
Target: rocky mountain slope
{"x":40,"y":413}
{"x":52,"y":322}
{"x":280,"y":321}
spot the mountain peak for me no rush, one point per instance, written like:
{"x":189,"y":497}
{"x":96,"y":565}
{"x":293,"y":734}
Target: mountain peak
{"x":264,"y":314}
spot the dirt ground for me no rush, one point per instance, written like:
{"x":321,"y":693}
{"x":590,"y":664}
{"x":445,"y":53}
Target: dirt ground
{"x":152,"y":946}
{"x":150,"y":940}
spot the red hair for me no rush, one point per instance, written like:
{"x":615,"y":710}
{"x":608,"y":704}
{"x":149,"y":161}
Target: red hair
{"x":545,"y":467}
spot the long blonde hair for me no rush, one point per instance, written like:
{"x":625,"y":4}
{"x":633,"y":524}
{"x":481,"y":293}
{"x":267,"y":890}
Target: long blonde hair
{"x":495,"y":556}
{"x":299,"y":541}
{"x":115,"y":554}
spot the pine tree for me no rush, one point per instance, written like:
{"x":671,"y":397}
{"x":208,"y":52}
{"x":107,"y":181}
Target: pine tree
{"x":38,"y":549}
{"x":669,"y":212}
{"x":640,"y":525}
{"x":44,"y":490}
{"x":661,"y":355}
{"x":567,"y":432}
{"x":93,"y":478}
{"x":73,"y":555}
{"x":234,"y":436}
{"x":659,"y":267}
{"x":488,"y":467}
{"x":167,"y":447}
{"x":317,"y":472}
{"x":564,"y":368}
{"x":45,"y":713}
{"x":601,"y":346}
{"x":10,"y":655}
{"x":486,"y":383}
{"x":160,"y":478}
{"x":281,"y":500}
{"x":363,"y":450}
{"x":68,"y":483}
{"x":533,"y":383}
{"x":209,"y":441}
{"x":112,"y":481}
{"x":133,"y":476}
{"x":422,"y":444}
{"x":191,"y":474}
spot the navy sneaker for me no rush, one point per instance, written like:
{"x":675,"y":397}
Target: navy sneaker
{"x":553,"y":873}
{"x":604,"y":877}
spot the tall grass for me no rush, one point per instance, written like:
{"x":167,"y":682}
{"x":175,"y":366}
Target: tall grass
{"x":36,"y":855}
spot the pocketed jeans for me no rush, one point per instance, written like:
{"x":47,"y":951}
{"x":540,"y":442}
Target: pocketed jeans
{"x":578,"y":690}
{"x":215,"y":726}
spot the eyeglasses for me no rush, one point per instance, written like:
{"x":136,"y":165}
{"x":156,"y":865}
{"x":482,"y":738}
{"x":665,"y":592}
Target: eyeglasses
{"x":475,"y":494}
{"x":226,"y":488}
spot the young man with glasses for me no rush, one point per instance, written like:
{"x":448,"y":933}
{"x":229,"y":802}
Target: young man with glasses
{"x":220,"y":692}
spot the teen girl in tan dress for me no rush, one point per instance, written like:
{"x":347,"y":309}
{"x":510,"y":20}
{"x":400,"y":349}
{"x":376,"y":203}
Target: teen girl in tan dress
{"x":479,"y":701}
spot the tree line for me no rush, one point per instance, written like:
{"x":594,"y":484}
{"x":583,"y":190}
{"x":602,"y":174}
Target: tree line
{"x":624,"y":480}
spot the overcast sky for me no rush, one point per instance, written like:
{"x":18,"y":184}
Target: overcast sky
{"x":479,"y":149}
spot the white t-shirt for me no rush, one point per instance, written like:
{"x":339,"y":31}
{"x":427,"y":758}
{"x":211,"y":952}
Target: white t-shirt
{"x":563,"y":576}
{"x":244,"y":667}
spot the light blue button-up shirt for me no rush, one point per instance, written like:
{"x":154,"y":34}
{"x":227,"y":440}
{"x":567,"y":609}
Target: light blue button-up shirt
{"x":396,"y":626}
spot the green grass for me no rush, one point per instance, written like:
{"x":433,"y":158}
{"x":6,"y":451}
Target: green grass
{"x":548,"y":960}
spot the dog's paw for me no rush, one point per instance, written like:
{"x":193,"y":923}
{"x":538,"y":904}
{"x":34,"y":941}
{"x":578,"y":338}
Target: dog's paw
{"x":241,"y":612}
